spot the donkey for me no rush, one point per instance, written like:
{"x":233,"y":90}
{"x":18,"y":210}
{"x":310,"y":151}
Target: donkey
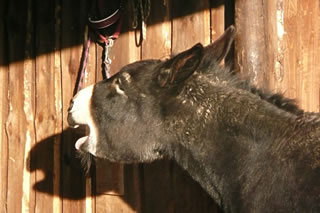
{"x":251,"y":150}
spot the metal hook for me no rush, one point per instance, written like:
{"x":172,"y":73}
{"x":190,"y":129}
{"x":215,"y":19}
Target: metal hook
{"x":105,"y":57}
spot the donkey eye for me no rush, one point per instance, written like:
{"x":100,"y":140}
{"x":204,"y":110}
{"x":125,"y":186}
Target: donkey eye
{"x":119,"y":84}
{"x":117,"y":81}
{"x":118,"y":87}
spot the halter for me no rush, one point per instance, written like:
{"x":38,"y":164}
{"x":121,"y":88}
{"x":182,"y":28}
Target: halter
{"x":96,"y":26}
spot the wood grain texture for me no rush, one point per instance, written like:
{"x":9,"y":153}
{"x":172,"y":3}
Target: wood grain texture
{"x":197,"y":26}
{"x":158,"y":192}
{"x":308,"y":66}
{"x":41,"y":43}
{"x":109,"y":178}
{"x":114,"y":197}
{"x":73,"y":183}
{"x":250,"y":20}
{"x":57,"y":201}
{"x":291,"y":45}
{"x":217,"y":23}
{"x":4,"y":77}
{"x":191,"y":24}
{"x":19,"y":124}
{"x":275,"y":46}
{"x":157,"y":188}
{"x":90,"y":78}
{"x":47,"y":115}
{"x":158,"y":42}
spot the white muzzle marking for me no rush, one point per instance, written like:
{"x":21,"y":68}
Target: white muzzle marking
{"x":80,"y":114}
{"x":80,"y":111}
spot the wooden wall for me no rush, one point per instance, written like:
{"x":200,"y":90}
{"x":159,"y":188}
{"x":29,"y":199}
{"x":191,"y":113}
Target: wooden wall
{"x":278,"y":46}
{"x":40,"y":49}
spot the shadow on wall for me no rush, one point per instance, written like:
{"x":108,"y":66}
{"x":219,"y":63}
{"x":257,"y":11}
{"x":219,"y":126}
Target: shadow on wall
{"x":162,"y":185}
{"x":55,"y":160}
{"x":43,"y":28}
{"x":59,"y":170}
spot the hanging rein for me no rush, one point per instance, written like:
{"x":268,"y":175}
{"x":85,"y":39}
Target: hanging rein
{"x":96,"y":32}
{"x":94,"y":28}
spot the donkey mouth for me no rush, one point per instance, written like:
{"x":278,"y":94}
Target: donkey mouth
{"x":81,"y":141}
{"x":85,"y":130}
{"x":88,"y":138}
{"x":80,"y":117}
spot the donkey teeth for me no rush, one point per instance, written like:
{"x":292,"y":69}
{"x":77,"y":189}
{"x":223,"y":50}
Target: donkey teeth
{"x":75,"y":126}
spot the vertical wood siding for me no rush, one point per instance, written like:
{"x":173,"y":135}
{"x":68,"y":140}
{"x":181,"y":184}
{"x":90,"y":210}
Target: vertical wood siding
{"x":40,"y":49}
{"x":277,"y":45}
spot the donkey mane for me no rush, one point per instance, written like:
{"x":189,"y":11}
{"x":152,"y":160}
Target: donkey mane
{"x":231,"y":78}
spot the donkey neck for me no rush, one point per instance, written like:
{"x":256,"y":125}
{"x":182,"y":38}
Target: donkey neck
{"x":220,"y":129}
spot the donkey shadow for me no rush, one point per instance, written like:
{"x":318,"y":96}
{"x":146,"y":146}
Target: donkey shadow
{"x":158,"y":187}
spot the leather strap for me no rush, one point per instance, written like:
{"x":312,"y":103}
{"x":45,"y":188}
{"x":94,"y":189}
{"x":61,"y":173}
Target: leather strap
{"x":105,"y":22}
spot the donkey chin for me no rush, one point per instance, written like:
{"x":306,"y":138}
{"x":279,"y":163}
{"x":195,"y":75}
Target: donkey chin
{"x":79,"y":113}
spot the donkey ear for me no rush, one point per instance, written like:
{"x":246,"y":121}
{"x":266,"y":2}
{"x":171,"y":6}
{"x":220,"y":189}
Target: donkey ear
{"x":218,"y":50}
{"x":180,"y":67}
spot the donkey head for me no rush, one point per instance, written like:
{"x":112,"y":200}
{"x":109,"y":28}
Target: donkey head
{"x":127,"y":113}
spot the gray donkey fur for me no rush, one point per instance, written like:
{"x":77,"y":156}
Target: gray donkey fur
{"x":251,"y":150}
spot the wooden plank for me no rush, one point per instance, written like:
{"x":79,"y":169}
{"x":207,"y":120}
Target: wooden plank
{"x":109,"y":178}
{"x":90,"y":199}
{"x":130,"y":201}
{"x":314,"y":33}
{"x":276,"y":43}
{"x":158,"y":31}
{"x":291,"y":46}
{"x":123,"y":52}
{"x":282,"y":44}
{"x":110,"y":203}
{"x":73,"y":182}
{"x":250,"y":45}
{"x":126,"y":41}
{"x":193,"y":18}
{"x":4,"y":78}
{"x":273,"y":46}
{"x":28,"y":198}
{"x":90,"y":78}
{"x":157,"y":190}
{"x":217,"y":23}
{"x":48,"y":120}
{"x":57,"y":201}
{"x":19,"y":124}
{"x":308,"y":63}
{"x":133,"y":196}
{"x":99,"y":50}
{"x":197,"y":26}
